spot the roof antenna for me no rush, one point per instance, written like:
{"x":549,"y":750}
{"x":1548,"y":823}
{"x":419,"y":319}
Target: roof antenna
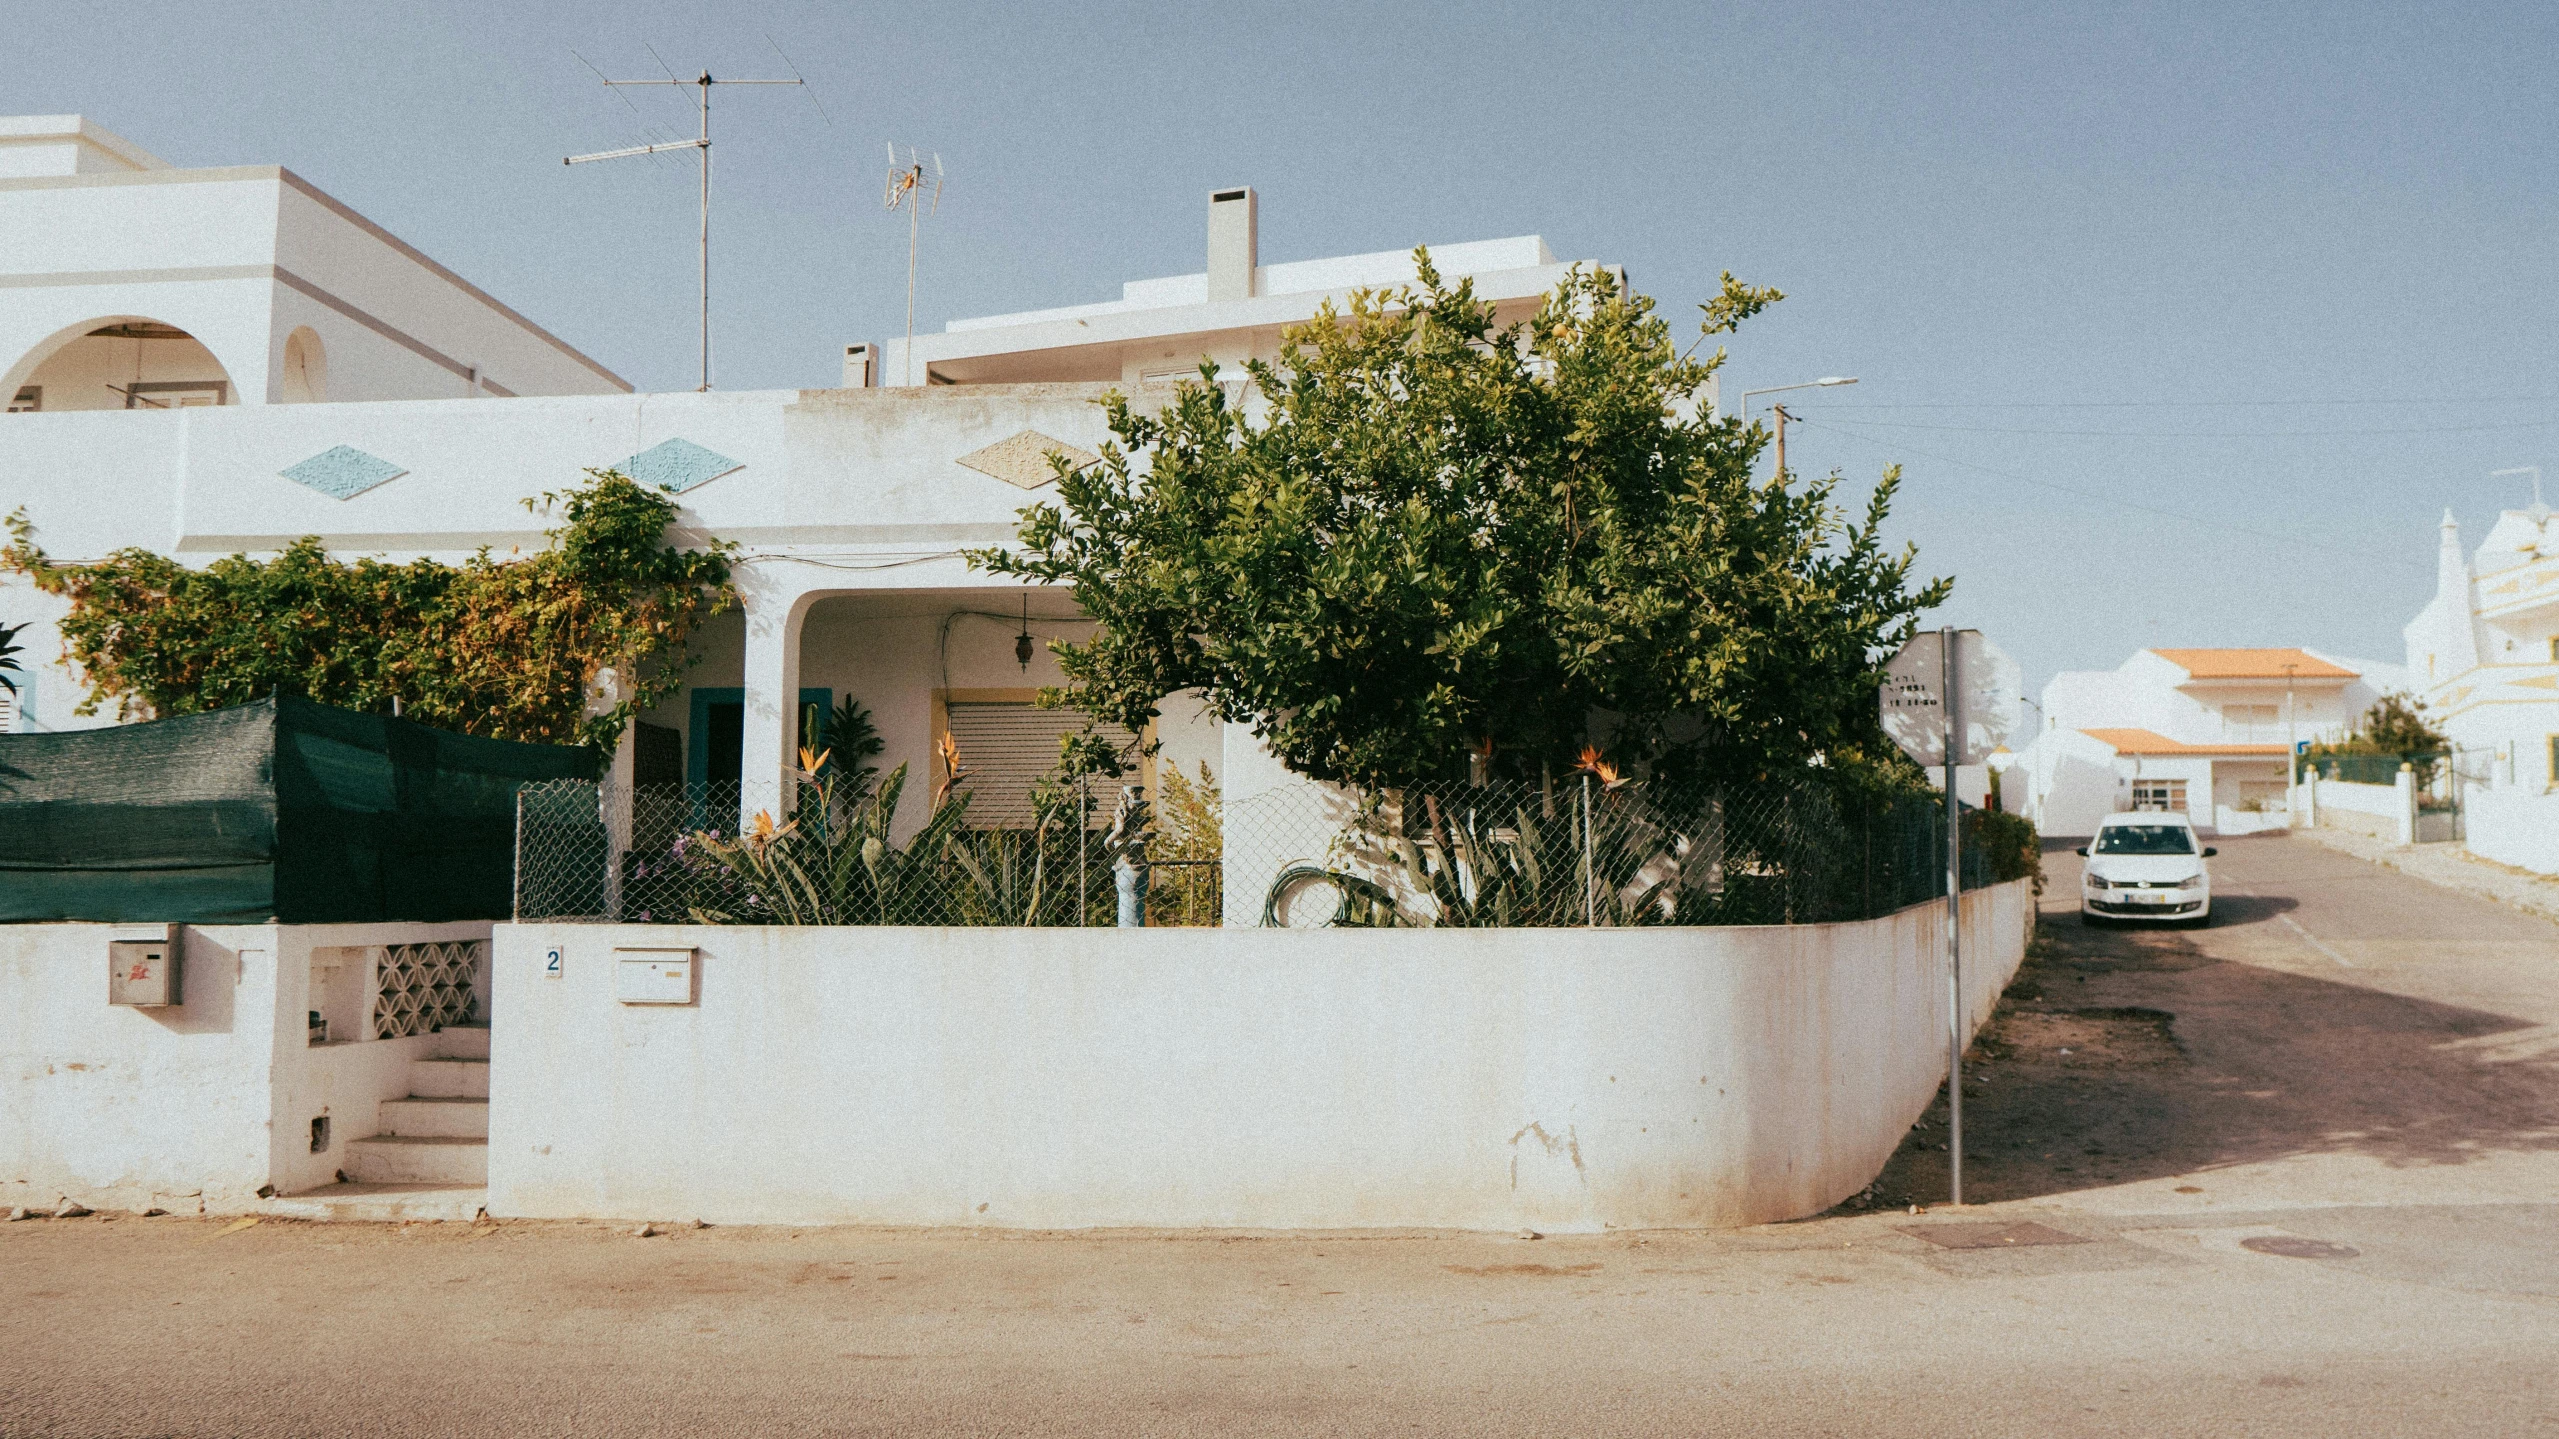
{"x":919,"y":195}
{"x":2532,"y":470}
{"x":701,"y":143}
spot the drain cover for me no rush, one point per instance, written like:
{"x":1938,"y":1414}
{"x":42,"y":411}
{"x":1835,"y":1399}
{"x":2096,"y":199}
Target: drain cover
{"x":2293,"y":1246}
{"x":1989,"y":1236}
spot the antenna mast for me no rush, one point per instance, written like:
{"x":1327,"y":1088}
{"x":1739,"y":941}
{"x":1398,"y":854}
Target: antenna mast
{"x":910,"y":188}
{"x":703,"y":144}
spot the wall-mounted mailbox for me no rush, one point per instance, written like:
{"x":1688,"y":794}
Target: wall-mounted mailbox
{"x":653,"y":976}
{"x":144,"y":972}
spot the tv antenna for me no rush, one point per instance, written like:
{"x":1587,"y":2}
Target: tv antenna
{"x":919,"y":195}
{"x":2532,"y":470}
{"x":701,"y":143}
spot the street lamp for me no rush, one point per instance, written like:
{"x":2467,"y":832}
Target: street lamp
{"x":1823,"y":383}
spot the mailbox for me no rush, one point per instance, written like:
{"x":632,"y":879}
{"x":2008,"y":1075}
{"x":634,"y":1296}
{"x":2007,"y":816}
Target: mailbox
{"x":144,"y":972}
{"x":653,"y":976}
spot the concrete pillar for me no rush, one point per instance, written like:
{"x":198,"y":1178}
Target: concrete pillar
{"x":2306,"y":789}
{"x":772,"y":699}
{"x":2407,"y":806}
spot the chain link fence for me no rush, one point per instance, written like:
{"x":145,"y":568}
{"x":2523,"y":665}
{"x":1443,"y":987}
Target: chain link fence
{"x":1572,"y":852}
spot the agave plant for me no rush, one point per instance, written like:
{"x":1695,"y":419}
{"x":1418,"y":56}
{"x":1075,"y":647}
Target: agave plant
{"x":9,"y":651}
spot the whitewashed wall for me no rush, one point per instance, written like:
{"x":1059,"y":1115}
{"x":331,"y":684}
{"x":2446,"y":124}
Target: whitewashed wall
{"x":192,"y":1108}
{"x":1488,"y":1079}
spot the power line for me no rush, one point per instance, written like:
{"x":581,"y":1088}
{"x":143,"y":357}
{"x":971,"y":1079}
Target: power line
{"x":2120,"y":503}
{"x":2188,"y":404}
{"x":2201,"y":434}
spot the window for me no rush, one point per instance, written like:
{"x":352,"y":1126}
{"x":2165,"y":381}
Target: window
{"x":1007,"y":747}
{"x":2166,"y":795}
{"x":8,"y":711}
{"x":2554,"y":762}
{"x":30,"y":398}
{"x":2249,"y":722}
{"x":2145,"y":839}
{"x":175,"y":394}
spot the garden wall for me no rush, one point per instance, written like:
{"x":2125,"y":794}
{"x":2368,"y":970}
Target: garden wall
{"x":1558,"y":1079}
{"x":193,"y":1107}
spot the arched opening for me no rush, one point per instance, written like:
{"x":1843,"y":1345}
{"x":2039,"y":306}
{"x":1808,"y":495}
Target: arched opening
{"x":125,"y":363}
{"x":305,"y":380}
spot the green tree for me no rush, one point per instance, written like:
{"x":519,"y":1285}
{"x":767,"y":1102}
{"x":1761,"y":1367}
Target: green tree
{"x":1446,"y":538}
{"x":9,"y":651}
{"x":2396,"y":724}
{"x":498,"y":647}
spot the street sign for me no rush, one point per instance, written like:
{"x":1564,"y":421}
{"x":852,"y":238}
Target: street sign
{"x":1989,"y":684}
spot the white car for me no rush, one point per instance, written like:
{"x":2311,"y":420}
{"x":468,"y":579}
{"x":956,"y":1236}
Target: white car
{"x":2146,"y":866}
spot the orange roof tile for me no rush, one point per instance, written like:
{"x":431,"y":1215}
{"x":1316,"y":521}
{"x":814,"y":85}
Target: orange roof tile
{"x":2142,"y":741}
{"x":2253,"y":664}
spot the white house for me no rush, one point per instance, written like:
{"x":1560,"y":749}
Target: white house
{"x":2486,"y":652}
{"x":132,"y":285}
{"x":247,"y":294}
{"x":2202,"y":732}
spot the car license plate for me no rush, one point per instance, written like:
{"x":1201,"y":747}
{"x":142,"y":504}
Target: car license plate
{"x":2152,"y":898}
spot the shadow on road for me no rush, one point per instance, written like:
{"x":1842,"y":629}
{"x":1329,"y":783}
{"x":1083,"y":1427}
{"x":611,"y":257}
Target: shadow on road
{"x":2125,"y":1054}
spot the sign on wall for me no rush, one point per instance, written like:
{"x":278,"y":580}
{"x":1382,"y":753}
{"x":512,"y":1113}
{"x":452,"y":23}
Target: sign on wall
{"x":1989,"y":686}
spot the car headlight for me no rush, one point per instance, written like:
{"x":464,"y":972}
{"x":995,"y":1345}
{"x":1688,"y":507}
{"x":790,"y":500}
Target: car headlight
{"x":2096,"y":881}
{"x":2192,"y":881}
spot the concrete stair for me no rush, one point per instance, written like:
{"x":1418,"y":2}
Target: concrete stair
{"x":439,"y":1134}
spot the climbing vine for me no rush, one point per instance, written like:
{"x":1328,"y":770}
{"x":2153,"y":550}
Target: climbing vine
{"x":503,"y":647}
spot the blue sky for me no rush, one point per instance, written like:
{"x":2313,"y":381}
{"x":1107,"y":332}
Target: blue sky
{"x":2185,"y":322}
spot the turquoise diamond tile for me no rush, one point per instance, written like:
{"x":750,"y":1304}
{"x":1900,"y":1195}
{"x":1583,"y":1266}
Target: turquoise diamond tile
{"x":678,"y":465}
{"x":343,"y":473}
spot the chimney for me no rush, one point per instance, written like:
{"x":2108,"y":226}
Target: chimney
{"x":1232,"y":227}
{"x":857,"y":367}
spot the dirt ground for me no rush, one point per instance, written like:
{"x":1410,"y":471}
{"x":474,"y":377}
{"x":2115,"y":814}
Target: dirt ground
{"x":2293,"y":1174}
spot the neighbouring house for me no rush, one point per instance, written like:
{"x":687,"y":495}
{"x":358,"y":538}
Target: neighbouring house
{"x":2485,"y":655}
{"x":2200,"y":732}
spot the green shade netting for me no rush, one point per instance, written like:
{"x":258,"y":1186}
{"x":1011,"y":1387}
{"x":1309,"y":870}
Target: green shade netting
{"x":283,"y":810}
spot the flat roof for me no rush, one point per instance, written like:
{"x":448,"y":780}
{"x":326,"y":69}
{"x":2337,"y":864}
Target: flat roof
{"x":2271,"y":664}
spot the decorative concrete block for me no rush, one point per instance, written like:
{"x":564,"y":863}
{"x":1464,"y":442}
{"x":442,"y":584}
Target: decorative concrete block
{"x":678,"y":465}
{"x":1022,"y":460}
{"x":343,"y":473}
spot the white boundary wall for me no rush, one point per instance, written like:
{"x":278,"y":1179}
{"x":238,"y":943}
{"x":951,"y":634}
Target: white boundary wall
{"x":1483,"y":1079}
{"x":195,"y":1107}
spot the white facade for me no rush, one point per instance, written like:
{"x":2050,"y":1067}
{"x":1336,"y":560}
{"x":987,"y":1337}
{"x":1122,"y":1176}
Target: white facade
{"x":2201,"y":731}
{"x":2485,"y":651}
{"x":128,"y":284}
{"x":1157,"y":333}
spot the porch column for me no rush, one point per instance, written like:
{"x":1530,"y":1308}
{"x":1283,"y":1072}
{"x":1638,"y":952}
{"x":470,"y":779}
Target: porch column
{"x":772,"y":699}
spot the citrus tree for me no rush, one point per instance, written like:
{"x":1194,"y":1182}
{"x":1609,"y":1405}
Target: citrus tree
{"x":1427,"y":542}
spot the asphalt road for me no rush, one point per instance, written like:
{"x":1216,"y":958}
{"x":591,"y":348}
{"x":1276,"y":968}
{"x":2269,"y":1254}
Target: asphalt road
{"x":2297,"y":1173}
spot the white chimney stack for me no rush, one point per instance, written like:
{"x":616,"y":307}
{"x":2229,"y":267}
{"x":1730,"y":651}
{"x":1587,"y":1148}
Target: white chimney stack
{"x":1232,"y":244}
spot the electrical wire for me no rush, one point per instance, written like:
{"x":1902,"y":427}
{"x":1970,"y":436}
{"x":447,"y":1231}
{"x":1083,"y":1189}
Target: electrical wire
{"x":2118,"y":502}
{"x":2182,"y":404}
{"x":2191,"y":434}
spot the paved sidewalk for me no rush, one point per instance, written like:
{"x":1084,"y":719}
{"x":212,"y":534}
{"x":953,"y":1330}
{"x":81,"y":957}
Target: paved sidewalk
{"x":2452,"y":867}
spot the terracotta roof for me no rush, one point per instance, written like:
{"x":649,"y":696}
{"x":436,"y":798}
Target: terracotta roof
{"x":2142,"y":741}
{"x":2253,"y":664}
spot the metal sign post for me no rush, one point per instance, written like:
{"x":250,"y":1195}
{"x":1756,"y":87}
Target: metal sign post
{"x":1952,"y":647}
{"x":1949,"y":696}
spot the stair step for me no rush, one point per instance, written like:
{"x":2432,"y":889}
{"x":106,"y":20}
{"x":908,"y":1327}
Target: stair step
{"x":418,"y":1159}
{"x":462,"y":1041}
{"x":383,"y":1203}
{"x":418,"y":1118}
{"x":449,"y":1078}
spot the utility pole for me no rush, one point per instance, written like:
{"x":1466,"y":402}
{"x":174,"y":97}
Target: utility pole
{"x":1743,"y":415}
{"x":1781,"y":441}
{"x":2292,"y":751}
